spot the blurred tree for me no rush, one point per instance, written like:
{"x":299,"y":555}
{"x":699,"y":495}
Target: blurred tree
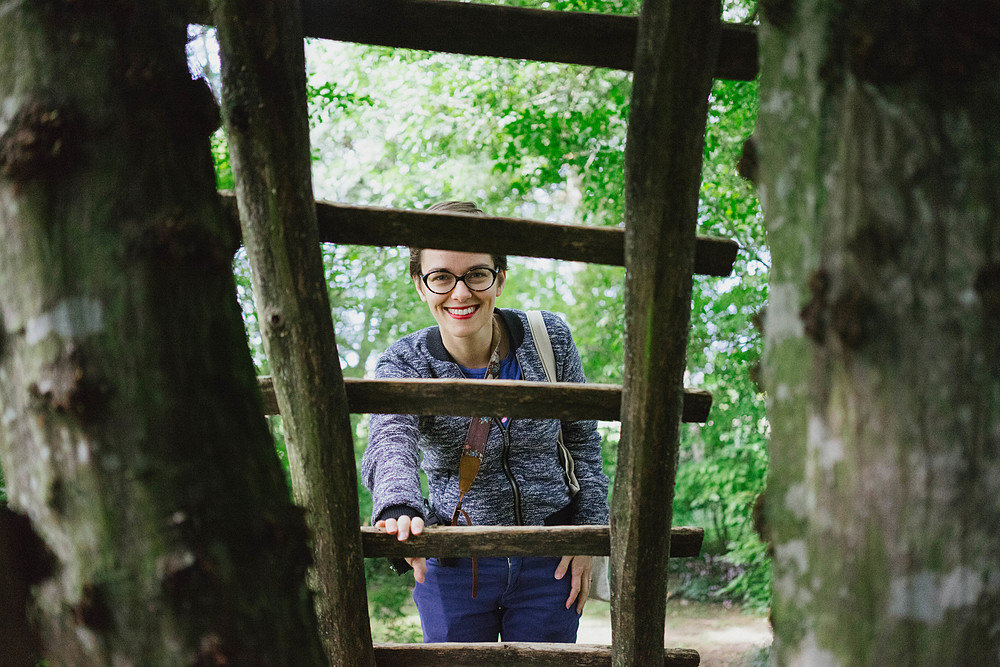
{"x":879,"y":158}
{"x":132,"y":439}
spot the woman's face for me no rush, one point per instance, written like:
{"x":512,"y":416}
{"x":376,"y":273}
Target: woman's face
{"x":461,"y":312}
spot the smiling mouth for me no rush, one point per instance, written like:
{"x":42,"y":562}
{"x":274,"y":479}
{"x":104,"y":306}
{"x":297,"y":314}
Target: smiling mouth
{"x":462,"y":313}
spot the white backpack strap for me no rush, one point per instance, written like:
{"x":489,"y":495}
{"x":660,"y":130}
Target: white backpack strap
{"x":540,"y":335}
{"x":542,"y":343}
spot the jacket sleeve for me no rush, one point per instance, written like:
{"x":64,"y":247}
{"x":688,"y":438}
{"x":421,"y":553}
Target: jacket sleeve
{"x":581,"y":437}
{"x":389,"y":466}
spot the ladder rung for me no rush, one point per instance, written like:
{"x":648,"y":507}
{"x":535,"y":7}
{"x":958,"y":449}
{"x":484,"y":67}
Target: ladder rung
{"x":601,"y":40}
{"x":508,"y":398}
{"x":464,"y":541}
{"x":504,"y":654}
{"x":367,"y":225}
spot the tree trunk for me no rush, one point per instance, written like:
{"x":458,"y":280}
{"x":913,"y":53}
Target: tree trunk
{"x":264,"y":104}
{"x":879,"y":166}
{"x":131,"y":433}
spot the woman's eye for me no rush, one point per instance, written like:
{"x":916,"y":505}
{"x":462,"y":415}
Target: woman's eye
{"x":478,"y":274}
{"x":440,"y":277}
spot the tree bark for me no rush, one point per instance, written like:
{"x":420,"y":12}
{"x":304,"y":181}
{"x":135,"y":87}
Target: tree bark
{"x":264,"y":105}
{"x":131,"y":434}
{"x":879,"y":162}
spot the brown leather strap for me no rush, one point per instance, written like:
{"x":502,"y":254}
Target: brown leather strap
{"x":475,"y":448}
{"x":454,"y":521}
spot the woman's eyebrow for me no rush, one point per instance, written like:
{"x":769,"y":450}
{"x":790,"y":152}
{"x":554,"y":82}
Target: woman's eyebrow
{"x":441,"y":268}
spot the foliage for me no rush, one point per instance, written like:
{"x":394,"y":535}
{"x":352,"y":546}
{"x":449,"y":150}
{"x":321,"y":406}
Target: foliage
{"x":386,"y":600}
{"x":702,"y":579}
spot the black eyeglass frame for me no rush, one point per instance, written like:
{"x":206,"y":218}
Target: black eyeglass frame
{"x":461,"y":278}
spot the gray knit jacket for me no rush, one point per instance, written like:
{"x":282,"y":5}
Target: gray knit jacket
{"x":520,"y":480}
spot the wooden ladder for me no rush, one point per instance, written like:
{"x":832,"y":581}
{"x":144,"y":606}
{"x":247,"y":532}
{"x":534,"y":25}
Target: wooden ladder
{"x":675,"y":48}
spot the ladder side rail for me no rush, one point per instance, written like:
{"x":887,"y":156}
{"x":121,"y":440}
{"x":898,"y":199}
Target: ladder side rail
{"x":266,"y":119}
{"x":675,"y":57}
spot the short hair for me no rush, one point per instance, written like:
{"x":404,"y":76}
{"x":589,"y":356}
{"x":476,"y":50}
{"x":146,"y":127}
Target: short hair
{"x":499,"y":261}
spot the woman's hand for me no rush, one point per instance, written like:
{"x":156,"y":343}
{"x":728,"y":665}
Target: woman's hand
{"x":402,"y":528}
{"x":580,"y":588}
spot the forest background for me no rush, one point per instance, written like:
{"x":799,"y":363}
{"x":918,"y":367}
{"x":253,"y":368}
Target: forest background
{"x":404,"y":129}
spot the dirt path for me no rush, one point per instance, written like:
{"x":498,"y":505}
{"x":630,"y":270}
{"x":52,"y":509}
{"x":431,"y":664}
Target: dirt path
{"x":724,"y":637}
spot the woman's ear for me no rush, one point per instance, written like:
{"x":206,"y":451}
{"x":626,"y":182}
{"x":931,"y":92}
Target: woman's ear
{"x":419,"y":286}
{"x":501,"y":281}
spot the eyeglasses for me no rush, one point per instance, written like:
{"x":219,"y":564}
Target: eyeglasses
{"x":478,"y":279}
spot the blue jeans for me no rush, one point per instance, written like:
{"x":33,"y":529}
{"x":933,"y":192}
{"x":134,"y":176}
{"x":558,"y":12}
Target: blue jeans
{"x":518,"y":600}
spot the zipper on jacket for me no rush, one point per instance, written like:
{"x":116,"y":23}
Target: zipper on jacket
{"x":505,"y":459}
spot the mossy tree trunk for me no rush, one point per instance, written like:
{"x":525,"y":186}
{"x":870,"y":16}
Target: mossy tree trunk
{"x":132,"y":436}
{"x":880,"y":180}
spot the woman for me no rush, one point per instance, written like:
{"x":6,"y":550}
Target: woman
{"x":520,"y":481}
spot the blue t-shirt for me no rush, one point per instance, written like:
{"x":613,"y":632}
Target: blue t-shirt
{"x":509,"y":370}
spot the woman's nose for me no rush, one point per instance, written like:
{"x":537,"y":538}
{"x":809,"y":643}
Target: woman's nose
{"x":461,"y":290}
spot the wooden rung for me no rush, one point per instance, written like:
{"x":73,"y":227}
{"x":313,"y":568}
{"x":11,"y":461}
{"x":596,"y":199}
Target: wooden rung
{"x":507,"y":398}
{"x":366,"y":225}
{"x":601,"y":40}
{"x":506,"y":654}
{"x":464,"y":541}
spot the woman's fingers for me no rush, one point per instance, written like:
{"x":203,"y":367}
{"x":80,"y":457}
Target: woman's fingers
{"x":402,"y":527}
{"x":419,"y":566}
{"x":580,"y":583}
{"x":563,"y":567}
{"x":581,"y":600}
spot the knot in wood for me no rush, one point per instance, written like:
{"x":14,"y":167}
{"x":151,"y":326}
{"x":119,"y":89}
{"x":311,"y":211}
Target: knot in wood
{"x":92,"y":610}
{"x":39,"y":142}
{"x":275,"y":321}
{"x":850,"y":317}
{"x":59,"y":382}
{"x":813,"y":314}
{"x":65,"y":385}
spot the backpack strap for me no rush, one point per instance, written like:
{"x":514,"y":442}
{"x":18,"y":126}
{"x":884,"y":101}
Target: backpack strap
{"x":540,"y":336}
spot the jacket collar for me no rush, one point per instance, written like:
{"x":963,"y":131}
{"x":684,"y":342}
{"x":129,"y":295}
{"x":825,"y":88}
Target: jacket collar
{"x":510,"y":318}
